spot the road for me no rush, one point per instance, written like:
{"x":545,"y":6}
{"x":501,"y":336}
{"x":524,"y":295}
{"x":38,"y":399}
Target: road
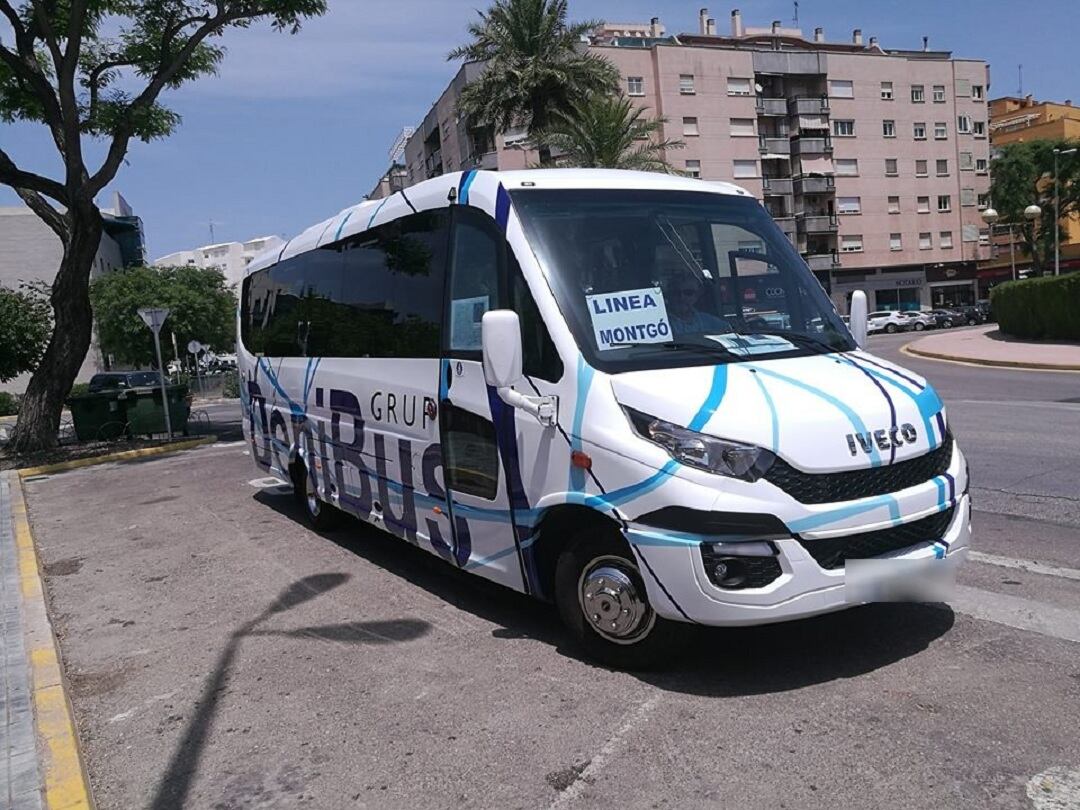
{"x":221,"y":655}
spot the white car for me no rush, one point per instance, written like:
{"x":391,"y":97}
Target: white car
{"x":920,"y":320}
{"x":887,"y":321}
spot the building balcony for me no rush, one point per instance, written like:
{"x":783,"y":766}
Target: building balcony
{"x":823,"y":261}
{"x":771,"y":106}
{"x":803,"y":145}
{"x":815,"y":185}
{"x":776,"y":186}
{"x":485,"y":160}
{"x":816,"y":223}
{"x":787,"y":225}
{"x":774,"y":146}
{"x":808,"y":105}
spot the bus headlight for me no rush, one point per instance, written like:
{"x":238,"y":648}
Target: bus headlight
{"x":721,"y":456}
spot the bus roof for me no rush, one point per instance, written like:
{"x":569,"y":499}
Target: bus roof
{"x":360,"y":217}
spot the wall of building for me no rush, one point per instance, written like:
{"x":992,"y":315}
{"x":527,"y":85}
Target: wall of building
{"x":230,"y":258}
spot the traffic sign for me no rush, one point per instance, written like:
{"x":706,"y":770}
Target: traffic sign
{"x":194,"y":347}
{"x":154,"y":317}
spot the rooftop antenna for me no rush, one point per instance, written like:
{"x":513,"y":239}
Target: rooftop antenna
{"x":213,"y":241}
{"x":1020,"y":80}
{"x":796,"y":13}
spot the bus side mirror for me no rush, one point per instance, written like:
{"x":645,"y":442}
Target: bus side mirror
{"x":857,"y":318}
{"x":500,"y":334}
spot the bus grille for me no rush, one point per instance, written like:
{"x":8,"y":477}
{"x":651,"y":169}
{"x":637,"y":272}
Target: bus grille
{"x":832,"y":552}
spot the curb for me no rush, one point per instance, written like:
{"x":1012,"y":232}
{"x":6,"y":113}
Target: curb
{"x":66,"y":785}
{"x":126,"y":455}
{"x":908,"y":348}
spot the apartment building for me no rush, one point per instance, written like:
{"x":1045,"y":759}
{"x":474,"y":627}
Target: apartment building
{"x":873,"y":161}
{"x":231,"y":258}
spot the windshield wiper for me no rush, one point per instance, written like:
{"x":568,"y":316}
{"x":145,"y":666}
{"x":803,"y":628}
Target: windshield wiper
{"x":796,"y":337}
{"x":674,"y":345}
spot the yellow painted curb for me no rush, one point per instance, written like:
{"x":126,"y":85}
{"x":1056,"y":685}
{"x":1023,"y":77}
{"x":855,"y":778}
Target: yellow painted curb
{"x":66,"y":785}
{"x":126,"y":455}
{"x":1016,"y":365}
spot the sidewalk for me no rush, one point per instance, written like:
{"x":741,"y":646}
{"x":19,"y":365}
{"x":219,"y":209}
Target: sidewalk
{"x":985,"y":345}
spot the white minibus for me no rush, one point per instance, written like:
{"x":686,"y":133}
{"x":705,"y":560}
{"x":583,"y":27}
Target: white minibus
{"x":622,"y":392}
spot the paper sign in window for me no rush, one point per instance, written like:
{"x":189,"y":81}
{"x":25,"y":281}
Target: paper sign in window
{"x":628,"y":317}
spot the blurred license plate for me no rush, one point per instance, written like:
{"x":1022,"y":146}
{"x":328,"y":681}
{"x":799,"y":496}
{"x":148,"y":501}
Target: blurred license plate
{"x":893,"y":580}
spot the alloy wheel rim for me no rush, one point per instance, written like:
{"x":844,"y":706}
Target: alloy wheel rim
{"x":613,"y":601}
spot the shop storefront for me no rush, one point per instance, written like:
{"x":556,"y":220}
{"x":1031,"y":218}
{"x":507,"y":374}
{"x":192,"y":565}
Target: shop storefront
{"x":904,"y":290}
{"x":954,"y":285}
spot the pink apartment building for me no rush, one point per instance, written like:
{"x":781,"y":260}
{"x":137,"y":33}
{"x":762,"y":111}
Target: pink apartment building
{"x":873,"y":161}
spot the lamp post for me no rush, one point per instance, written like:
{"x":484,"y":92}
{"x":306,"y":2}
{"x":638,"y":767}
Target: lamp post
{"x":1031,"y":213}
{"x":1057,"y":209}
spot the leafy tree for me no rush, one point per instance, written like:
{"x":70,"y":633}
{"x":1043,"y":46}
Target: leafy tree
{"x":24,"y":329}
{"x":608,"y":132}
{"x":1023,"y":174}
{"x":200,"y":307}
{"x":94,"y":69}
{"x":535,"y":65}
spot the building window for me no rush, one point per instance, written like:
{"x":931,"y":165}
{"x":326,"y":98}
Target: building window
{"x":846,"y":167}
{"x":686,"y":84}
{"x":919,"y":130}
{"x":918,"y":94}
{"x":944,"y":203}
{"x":888,"y":128}
{"x":939,"y":94}
{"x":969,"y":233}
{"x":886,"y":91}
{"x":635,"y":85}
{"x":742,"y":128}
{"x":942,"y":168}
{"x":891,"y":169}
{"x":894,"y":205}
{"x":981,"y":165}
{"x":693,"y":168}
{"x":984,"y":202}
{"x":851,"y":243}
{"x":976,"y":92}
{"x":848,"y":205}
{"x":896,"y":241}
{"x":967,"y":161}
{"x":842,"y":128}
{"x":963,"y":87}
{"x":738,"y":87}
{"x":967,"y":197}
{"x":963,"y":124}
{"x":926,"y":240}
{"x":978,"y":129}
{"x":689,"y":126}
{"x":922,"y":205}
{"x":744,"y":168}
{"x":945,"y":239}
{"x":920,"y":168}
{"x":941,"y":130}
{"x":841,"y":88}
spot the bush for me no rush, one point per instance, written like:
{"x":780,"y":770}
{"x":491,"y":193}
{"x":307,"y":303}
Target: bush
{"x":230,"y":386}
{"x":78,"y":389}
{"x":9,"y":406}
{"x":1038,"y":308}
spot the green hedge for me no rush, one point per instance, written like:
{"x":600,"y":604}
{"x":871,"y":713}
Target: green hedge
{"x":9,"y":406}
{"x":1039,"y":307}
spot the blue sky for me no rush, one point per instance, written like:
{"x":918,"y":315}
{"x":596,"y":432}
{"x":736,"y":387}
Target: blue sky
{"x":295,"y":128}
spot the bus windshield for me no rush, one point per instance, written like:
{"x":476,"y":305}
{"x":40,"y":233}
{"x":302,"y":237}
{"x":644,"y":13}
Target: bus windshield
{"x":652,"y":279}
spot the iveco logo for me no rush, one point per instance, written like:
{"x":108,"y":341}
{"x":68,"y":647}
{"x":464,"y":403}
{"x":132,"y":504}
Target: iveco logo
{"x":884,"y":439}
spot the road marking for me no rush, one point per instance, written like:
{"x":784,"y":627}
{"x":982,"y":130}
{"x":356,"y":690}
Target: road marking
{"x":598,"y":762}
{"x":1015,"y":611}
{"x":1055,"y":789}
{"x":1024,"y":565}
{"x":1023,"y":403}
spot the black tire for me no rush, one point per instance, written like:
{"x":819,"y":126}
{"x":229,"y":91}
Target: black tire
{"x":320,"y":515}
{"x":890,"y":328}
{"x":972,"y":322}
{"x":650,"y":641}
{"x":919,"y":327}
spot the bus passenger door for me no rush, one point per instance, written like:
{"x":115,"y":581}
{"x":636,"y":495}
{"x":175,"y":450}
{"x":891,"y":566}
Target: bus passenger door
{"x":474,"y":463}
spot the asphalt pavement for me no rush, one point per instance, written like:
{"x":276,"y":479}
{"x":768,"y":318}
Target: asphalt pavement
{"x":222,"y":655}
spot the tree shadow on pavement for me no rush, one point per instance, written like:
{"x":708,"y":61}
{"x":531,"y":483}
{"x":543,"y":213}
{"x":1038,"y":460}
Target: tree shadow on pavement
{"x":175,"y":784}
{"x":721,"y":662}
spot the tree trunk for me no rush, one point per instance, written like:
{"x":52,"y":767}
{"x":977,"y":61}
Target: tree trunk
{"x":40,"y":408}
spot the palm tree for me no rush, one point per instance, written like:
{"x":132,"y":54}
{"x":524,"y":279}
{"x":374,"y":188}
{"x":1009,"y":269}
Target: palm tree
{"x":608,"y":132}
{"x":535,"y":65}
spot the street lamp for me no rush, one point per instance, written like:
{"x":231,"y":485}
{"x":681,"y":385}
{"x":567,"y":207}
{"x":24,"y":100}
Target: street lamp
{"x":990,"y":216}
{"x":1057,"y":209}
{"x":1031,"y":213}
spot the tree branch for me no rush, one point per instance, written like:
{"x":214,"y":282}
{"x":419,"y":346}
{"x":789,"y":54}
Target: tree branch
{"x":65,"y":88}
{"x":12,"y":175}
{"x":49,"y":215}
{"x":25,"y":67}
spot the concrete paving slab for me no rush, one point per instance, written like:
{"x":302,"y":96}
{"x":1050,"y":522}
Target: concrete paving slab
{"x":987,"y":345}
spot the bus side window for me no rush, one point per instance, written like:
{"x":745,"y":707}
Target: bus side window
{"x":474,"y":280}
{"x":540,"y":357}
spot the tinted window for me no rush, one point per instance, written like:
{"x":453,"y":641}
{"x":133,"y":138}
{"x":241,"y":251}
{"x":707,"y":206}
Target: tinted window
{"x":471,"y":455}
{"x":540,"y":358}
{"x":474,"y":286}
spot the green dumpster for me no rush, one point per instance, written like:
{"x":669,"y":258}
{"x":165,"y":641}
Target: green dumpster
{"x":145,"y":414}
{"x":99,"y":416}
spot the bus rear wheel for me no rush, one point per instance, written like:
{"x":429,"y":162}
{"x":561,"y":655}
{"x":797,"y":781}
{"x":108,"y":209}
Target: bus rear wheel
{"x":320,"y":515}
{"x":602,"y":600}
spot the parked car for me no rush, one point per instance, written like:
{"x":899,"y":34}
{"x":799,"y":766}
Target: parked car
{"x":984,"y":307}
{"x":944,"y":318}
{"x":920,"y":320}
{"x":969,"y":315}
{"x":887,"y":321}
{"x":112,"y":380}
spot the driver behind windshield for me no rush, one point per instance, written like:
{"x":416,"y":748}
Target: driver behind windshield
{"x":682,"y":291}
